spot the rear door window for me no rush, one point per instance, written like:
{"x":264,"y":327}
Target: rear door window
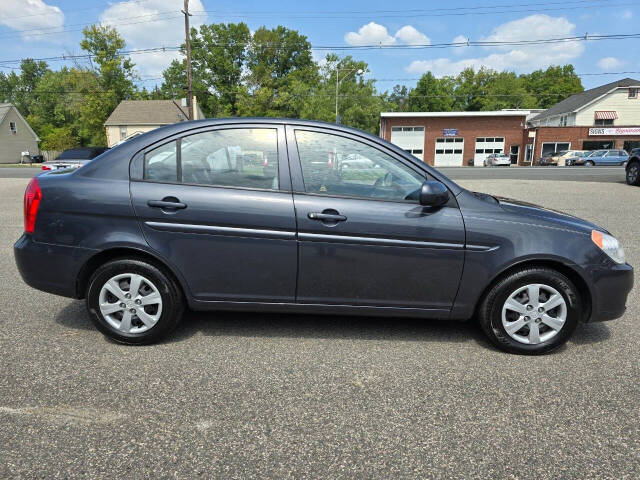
{"x":239,"y":157}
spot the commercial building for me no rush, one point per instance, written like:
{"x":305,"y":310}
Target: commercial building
{"x":446,"y":139}
{"x":604,"y":117}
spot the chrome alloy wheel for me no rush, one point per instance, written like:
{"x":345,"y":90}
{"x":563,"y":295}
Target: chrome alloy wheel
{"x":130,"y":303}
{"x":534,"y":313}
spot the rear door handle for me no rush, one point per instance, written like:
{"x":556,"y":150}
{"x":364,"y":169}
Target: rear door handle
{"x":165,"y":204}
{"x":327,"y":217}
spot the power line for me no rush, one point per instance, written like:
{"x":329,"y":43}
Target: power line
{"x":461,"y":11}
{"x":170,"y":15}
{"x":470,"y":43}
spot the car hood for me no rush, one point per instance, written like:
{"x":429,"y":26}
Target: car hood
{"x":547,"y":215}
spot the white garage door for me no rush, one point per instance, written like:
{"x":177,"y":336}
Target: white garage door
{"x":410,"y":139}
{"x":449,"y":152}
{"x":485,"y":146}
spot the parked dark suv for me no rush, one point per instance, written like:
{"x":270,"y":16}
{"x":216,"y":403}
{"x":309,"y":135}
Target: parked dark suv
{"x":633,"y":168}
{"x":262,"y":215}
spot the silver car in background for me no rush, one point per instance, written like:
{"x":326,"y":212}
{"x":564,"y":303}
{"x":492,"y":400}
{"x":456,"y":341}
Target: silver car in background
{"x":497,"y":160}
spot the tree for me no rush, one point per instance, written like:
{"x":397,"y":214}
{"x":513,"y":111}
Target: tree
{"x":18,"y":88}
{"x":507,"y":90}
{"x":552,"y":85}
{"x":218,"y":56}
{"x":432,"y":94}
{"x":398,"y":99}
{"x":115,"y":80}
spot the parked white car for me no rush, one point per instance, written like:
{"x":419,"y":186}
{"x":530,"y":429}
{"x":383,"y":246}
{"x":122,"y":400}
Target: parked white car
{"x":497,"y":160}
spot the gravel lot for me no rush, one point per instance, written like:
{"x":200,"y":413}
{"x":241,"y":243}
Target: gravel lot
{"x":281,"y":396}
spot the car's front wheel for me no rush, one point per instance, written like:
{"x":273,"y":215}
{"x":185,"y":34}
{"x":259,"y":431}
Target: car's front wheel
{"x":589,"y":163}
{"x":530,"y":311}
{"x":134,"y":302}
{"x":633,"y":173}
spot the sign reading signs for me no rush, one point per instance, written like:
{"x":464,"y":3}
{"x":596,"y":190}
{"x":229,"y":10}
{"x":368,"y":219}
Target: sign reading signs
{"x":615,"y":131}
{"x":450,"y":132}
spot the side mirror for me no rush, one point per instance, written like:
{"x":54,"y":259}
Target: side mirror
{"x":433,"y":194}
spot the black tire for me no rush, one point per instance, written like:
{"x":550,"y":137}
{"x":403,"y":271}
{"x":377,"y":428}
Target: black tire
{"x":490,"y":310}
{"x":170,"y":292}
{"x":589,"y":163}
{"x":633,"y":173}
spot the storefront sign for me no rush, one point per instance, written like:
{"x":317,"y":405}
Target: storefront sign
{"x":450,"y":132}
{"x":615,"y":131}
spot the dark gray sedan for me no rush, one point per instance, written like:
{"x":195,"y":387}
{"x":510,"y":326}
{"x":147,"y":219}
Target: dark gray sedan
{"x":262,"y":215}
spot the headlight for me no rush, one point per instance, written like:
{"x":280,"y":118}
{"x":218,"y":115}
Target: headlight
{"x":608,"y":245}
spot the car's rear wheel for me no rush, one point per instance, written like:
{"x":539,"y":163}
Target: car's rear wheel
{"x":633,"y":173}
{"x":589,"y":163}
{"x":530,"y":311}
{"x":134,"y":302}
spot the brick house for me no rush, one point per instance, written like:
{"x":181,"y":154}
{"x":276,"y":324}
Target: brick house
{"x":455,"y":138}
{"x":603,"y":117}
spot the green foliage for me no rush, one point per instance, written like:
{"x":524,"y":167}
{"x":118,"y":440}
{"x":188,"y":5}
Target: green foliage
{"x":59,"y":138}
{"x":487,"y":89}
{"x":432,"y":94}
{"x":270,"y":72}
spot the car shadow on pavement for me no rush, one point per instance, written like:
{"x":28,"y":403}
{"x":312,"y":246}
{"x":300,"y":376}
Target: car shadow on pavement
{"x":256,"y":324}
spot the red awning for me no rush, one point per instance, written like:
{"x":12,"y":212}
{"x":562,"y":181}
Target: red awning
{"x":606,"y":115}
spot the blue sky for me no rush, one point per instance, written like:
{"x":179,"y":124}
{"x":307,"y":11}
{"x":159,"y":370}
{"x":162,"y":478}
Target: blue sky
{"x":43,"y":28}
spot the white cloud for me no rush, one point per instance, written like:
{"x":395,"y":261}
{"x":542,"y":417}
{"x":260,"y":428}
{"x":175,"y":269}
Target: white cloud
{"x":626,"y":15}
{"x":32,"y":15}
{"x":460,"y":50}
{"x":610,"y":63}
{"x":370,"y":34}
{"x":375,"y":34}
{"x":147,"y":25}
{"x":512,"y":57}
{"x":411,"y":36}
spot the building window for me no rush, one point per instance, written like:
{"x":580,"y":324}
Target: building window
{"x":604,"y":122}
{"x":633,"y":93}
{"x":123,"y":133}
{"x":12,"y":128}
{"x":407,"y":129}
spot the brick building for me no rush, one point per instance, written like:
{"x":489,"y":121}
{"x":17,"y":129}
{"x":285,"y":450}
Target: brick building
{"x":605,"y":117}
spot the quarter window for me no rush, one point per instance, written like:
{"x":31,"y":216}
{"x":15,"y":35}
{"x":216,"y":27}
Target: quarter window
{"x":334,"y":165}
{"x":161,"y":164}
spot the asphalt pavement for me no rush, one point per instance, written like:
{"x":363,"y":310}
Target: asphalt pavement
{"x":572,"y":174}
{"x":299,"y":396}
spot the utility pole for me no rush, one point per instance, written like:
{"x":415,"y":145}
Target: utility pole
{"x":188,"y":42}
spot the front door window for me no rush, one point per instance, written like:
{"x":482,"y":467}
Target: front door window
{"x":339,"y":166}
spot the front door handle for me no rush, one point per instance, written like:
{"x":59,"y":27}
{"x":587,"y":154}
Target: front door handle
{"x":327,"y":217}
{"x":173,"y":204}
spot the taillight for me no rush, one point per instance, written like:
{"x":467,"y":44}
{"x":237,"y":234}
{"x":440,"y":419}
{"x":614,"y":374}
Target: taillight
{"x":46,"y":167}
{"x":32,"y":197}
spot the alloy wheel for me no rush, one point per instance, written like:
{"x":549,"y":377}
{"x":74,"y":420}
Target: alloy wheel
{"x":130,"y":303}
{"x":534,"y":313}
{"x":633,"y":173}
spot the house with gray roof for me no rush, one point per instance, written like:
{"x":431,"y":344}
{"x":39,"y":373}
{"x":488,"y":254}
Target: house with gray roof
{"x":133,"y":117}
{"x":607,"y":105}
{"x":605,"y":117}
{"x":16,"y":136}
